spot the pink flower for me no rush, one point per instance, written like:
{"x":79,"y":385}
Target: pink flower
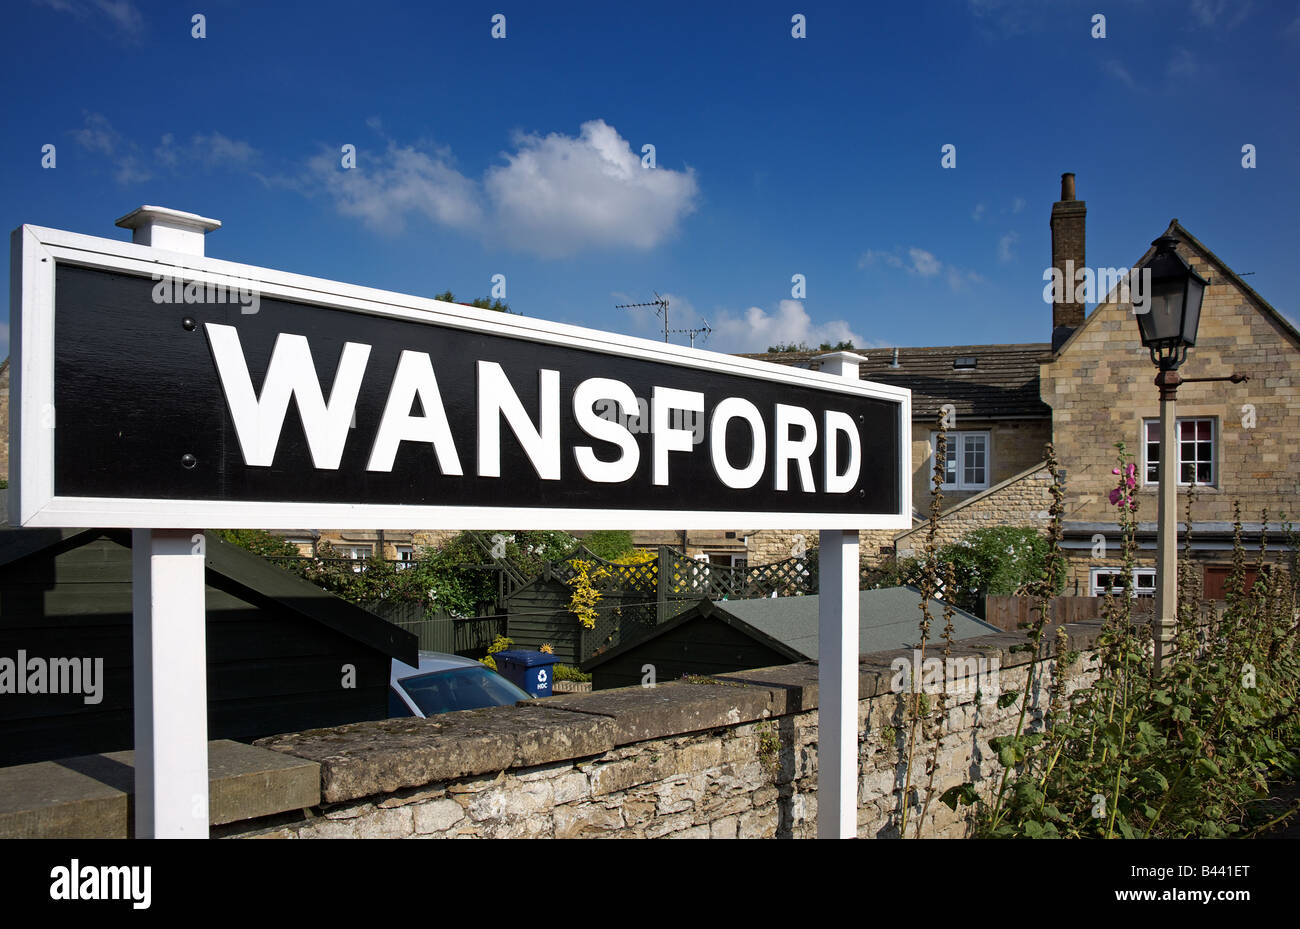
{"x":1114,"y":496}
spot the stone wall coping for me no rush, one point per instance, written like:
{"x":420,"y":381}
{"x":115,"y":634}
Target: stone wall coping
{"x":92,"y":796}
{"x":385,"y":756}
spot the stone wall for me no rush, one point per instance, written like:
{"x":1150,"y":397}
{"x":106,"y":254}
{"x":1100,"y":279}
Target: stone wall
{"x":732,"y":756}
{"x":1022,"y":501}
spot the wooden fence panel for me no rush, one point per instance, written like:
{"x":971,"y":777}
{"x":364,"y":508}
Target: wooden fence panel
{"x":1012,"y":614}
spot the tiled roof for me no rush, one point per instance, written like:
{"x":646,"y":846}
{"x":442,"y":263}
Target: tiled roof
{"x":1004,"y":381}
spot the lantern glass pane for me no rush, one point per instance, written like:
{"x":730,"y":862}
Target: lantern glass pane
{"x":1192,"y":316}
{"x":1163,"y":319}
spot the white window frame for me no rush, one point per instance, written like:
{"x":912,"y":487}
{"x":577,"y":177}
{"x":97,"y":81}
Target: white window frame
{"x":957,"y":447}
{"x":1149,"y":422}
{"x":359,"y":552}
{"x":405,"y":556}
{"x":1144,"y":581}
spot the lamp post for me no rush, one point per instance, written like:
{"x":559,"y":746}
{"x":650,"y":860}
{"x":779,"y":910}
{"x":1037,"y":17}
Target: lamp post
{"x":1168,"y":328}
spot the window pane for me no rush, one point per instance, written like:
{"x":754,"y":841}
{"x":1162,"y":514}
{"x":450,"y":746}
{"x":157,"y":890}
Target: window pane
{"x":1153,"y":452}
{"x":1203,"y":430}
{"x":974,"y":460}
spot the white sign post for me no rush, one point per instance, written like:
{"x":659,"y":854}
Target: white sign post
{"x":170,"y":627}
{"x":837,"y":664}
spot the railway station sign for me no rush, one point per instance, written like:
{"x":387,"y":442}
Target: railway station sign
{"x":161,"y":390}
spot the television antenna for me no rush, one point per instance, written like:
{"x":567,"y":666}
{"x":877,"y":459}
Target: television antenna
{"x":660,"y":302}
{"x":705,"y":330}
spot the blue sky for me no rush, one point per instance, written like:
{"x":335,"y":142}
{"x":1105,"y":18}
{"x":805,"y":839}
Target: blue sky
{"x":775,"y":156}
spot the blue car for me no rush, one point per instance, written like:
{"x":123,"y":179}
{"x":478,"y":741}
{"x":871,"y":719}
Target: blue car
{"x":445,"y":683}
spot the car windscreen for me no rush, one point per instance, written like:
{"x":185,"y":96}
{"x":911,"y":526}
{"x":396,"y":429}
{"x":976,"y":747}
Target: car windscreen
{"x":460,"y":689}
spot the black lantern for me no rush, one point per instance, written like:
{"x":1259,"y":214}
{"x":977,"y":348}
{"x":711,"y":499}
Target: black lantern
{"x":1173,"y":305}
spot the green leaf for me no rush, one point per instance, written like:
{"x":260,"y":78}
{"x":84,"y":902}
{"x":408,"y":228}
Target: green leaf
{"x":1008,"y":698}
{"x":962,"y":793}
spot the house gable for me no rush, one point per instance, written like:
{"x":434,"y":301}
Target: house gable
{"x":1100,"y":388}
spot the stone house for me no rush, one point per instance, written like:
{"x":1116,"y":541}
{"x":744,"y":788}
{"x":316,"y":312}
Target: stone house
{"x":1089,"y":388}
{"x":1236,"y":441}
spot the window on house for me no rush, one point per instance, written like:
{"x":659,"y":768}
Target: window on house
{"x":405,"y":556}
{"x":358,"y":553}
{"x":1111,"y":581}
{"x":967,"y":466}
{"x":1195,"y":451}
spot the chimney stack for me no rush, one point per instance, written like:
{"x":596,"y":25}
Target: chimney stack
{"x":1068,"y":256}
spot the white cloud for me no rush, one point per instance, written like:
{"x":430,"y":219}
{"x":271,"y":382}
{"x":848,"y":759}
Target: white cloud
{"x":122,"y":14}
{"x":208,"y":151}
{"x":871,"y":257}
{"x":921,"y":262}
{"x":1006,"y":246}
{"x":756,"y":329}
{"x":1119,"y":72}
{"x":99,"y":136}
{"x":382,"y":190}
{"x":978,"y":213}
{"x":558,"y":194}
{"x":1181,"y":65}
{"x":555,"y":196}
{"x":1006,"y":18}
{"x":960,"y":280}
{"x":924,"y":263}
{"x":1017,"y":204}
{"x":1209,"y":12}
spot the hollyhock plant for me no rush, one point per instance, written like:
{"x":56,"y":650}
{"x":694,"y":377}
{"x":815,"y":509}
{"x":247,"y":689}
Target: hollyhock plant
{"x":1124,"y":493}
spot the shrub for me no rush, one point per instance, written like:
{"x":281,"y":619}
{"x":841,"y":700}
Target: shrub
{"x":564,"y":672}
{"x":1182,"y":753}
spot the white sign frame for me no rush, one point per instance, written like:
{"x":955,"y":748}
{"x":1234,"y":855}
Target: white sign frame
{"x":36,"y":249}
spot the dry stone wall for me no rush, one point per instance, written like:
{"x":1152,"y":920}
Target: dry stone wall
{"x":732,"y":756}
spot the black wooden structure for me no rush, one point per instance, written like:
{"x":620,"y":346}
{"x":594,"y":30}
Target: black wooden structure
{"x":735,"y":635}
{"x":278,"y":648}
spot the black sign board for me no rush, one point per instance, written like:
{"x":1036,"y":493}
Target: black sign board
{"x":225,"y":395}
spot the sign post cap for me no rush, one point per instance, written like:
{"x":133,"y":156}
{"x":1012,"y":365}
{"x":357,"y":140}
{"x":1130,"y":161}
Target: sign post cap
{"x":842,"y":363}
{"x":161,"y":227}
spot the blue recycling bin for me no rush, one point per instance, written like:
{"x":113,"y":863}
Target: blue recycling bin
{"x":532,"y":671}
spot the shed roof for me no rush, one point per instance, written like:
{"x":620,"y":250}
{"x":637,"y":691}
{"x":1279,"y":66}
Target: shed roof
{"x":888,"y":619}
{"x":250,"y":576}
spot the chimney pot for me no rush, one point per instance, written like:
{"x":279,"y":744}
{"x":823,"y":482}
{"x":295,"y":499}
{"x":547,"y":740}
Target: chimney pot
{"x":1067,"y":186}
